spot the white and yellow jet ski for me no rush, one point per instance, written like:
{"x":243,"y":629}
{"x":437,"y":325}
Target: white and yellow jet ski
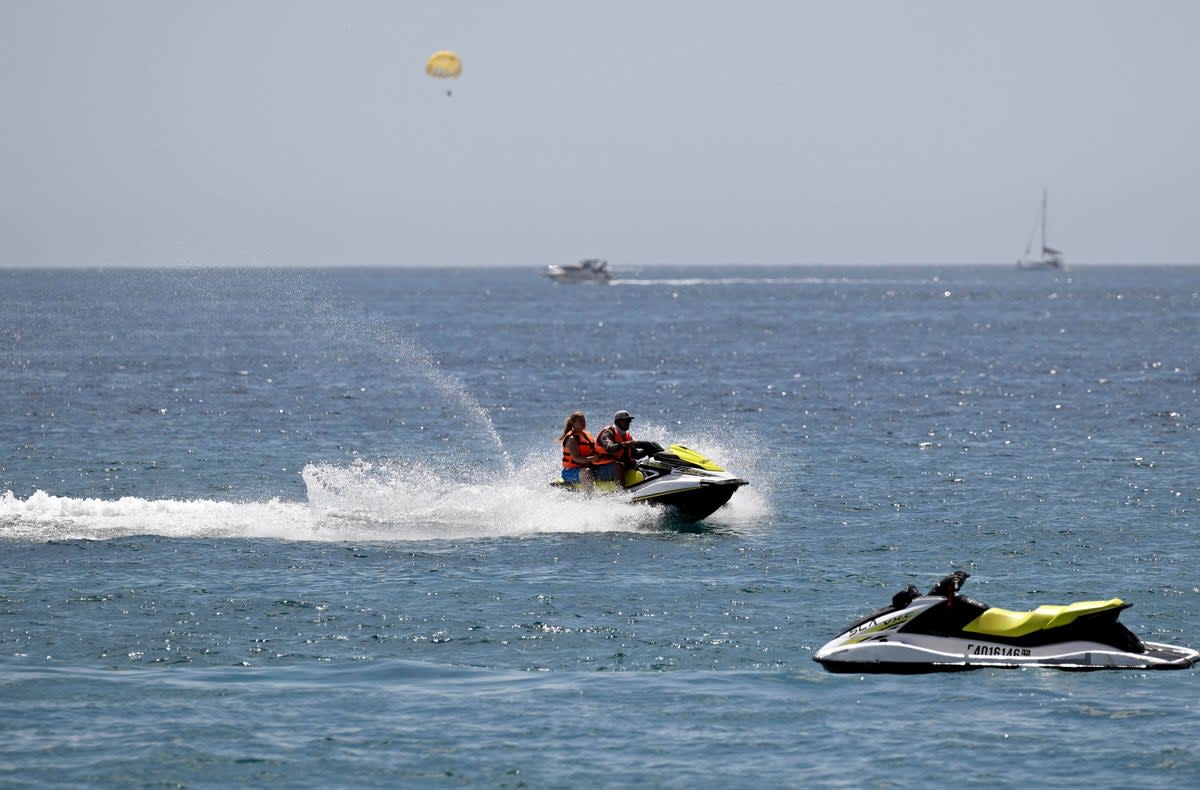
{"x":679,"y":478}
{"x":944,"y":631}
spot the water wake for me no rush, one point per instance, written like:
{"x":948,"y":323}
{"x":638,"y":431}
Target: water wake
{"x":763,"y":281}
{"x":415,"y":502}
{"x":45,"y":517}
{"x":389,"y":501}
{"x":722,"y":281}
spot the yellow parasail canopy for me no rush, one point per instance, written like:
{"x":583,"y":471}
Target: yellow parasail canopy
{"x":442,"y":64}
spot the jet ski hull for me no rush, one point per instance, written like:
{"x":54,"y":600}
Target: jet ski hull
{"x":685,"y":503}
{"x":693,"y":504}
{"x":945,"y":632}
{"x":916,"y":655}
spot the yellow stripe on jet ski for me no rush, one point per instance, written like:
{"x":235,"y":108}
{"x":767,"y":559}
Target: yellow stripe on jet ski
{"x":693,"y":457}
{"x":1002,"y":622}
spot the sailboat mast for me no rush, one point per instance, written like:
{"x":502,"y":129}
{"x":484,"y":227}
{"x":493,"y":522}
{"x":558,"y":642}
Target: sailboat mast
{"x":1043,"y":219}
{"x":1050,"y":258}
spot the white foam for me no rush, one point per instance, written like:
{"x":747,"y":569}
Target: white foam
{"x":44,"y":516}
{"x":414,"y":502}
{"x":385,"y":502}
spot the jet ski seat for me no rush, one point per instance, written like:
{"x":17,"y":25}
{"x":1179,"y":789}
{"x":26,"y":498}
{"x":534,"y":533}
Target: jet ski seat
{"x":1003,"y":622}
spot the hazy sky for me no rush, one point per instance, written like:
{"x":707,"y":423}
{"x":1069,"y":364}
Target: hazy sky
{"x":672,"y":131}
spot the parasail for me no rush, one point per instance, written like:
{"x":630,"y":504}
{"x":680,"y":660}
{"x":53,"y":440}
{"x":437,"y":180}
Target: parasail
{"x":443,"y":64}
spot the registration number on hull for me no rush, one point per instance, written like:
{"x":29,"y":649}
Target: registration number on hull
{"x":997,"y":650}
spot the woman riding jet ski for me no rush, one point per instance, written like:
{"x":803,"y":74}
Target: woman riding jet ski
{"x":945,"y":631}
{"x":692,"y":486}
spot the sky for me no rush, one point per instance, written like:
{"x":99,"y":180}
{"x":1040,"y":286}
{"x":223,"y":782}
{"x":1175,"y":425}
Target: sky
{"x":687,"y":132}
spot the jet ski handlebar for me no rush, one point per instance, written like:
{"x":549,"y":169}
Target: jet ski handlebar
{"x":946,"y":588}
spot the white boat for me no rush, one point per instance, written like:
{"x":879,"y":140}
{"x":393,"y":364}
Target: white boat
{"x":591,"y":270}
{"x":1050,"y":258}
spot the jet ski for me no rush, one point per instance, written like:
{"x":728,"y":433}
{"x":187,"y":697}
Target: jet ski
{"x":678,"y":478}
{"x":944,"y":631}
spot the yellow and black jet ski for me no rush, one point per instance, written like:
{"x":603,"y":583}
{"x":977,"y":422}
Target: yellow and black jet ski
{"x":945,"y":631}
{"x":679,"y":478}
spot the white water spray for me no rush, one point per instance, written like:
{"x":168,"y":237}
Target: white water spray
{"x":447,"y":385}
{"x":404,"y":350}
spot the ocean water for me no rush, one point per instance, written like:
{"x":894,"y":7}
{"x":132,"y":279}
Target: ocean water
{"x":293,"y":528}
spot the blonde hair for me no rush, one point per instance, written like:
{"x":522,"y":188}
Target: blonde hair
{"x":567,"y":426}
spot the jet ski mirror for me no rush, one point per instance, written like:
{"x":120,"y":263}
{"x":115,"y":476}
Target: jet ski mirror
{"x":948,"y":586}
{"x":902,"y":599}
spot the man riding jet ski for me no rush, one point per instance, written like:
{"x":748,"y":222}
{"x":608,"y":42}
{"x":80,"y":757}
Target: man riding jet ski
{"x":692,"y":486}
{"x":942,"y":630}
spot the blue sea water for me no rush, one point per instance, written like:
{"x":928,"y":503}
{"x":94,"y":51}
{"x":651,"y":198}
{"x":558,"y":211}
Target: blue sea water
{"x":275,"y":527}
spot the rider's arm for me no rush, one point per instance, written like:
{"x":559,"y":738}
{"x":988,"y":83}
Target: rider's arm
{"x":606,"y":440}
{"x":572,"y":446}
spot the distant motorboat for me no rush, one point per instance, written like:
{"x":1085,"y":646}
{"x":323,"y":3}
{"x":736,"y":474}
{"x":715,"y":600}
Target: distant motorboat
{"x":1050,"y":258}
{"x":591,"y":270}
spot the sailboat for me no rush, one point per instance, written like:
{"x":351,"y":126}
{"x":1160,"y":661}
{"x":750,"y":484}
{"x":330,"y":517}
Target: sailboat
{"x":1050,"y":258}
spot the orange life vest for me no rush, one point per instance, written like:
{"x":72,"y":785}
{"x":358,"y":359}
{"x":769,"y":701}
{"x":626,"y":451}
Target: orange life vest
{"x":587,"y":446}
{"x":618,"y":436}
